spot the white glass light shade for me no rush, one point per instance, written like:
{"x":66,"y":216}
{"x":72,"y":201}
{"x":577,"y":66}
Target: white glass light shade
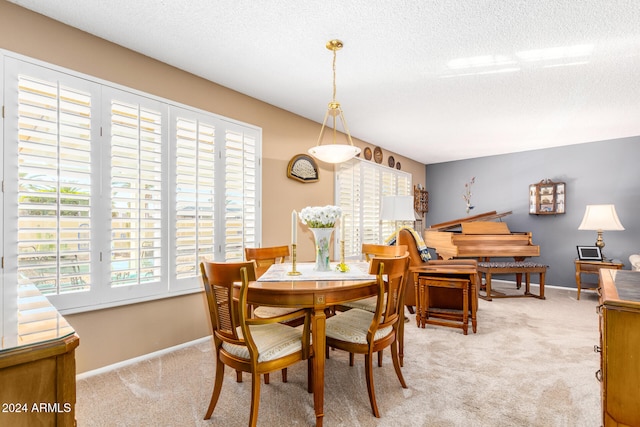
{"x":334,"y":153}
{"x":600,"y":217}
{"x":397,"y":208}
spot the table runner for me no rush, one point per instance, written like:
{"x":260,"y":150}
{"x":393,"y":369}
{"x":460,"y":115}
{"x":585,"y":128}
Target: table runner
{"x":358,"y":270}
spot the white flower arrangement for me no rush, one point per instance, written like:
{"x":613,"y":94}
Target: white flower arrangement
{"x":320,"y":217}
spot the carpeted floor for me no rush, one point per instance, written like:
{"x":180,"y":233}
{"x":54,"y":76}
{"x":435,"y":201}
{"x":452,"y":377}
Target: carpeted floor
{"x":531,"y":363}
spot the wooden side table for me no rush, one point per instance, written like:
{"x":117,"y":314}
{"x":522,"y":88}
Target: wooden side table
{"x":593,"y":267}
{"x":425,"y":312}
{"x":449,"y":301}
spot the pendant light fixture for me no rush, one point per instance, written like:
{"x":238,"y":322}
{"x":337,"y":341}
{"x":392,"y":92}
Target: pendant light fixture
{"x":334,"y":152}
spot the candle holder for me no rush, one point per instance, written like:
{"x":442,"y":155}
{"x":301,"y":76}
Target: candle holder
{"x":293,"y":271}
{"x":342,"y":267}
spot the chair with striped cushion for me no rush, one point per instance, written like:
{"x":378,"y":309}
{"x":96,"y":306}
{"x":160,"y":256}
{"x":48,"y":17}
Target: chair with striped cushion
{"x":370,"y":251}
{"x":364,"y":332}
{"x":257,"y":346}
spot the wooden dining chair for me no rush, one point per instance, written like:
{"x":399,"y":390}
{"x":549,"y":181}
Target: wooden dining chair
{"x":370,"y":250}
{"x":265,"y":258}
{"x":257,"y":346}
{"x":363,"y":332}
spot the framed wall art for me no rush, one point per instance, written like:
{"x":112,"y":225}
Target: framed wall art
{"x":303,"y":168}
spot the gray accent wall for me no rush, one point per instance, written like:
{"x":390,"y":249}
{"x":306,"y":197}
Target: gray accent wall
{"x":595,"y":173}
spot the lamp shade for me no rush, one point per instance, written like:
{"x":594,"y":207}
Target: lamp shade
{"x":600,"y":217}
{"x":334,"y":153}
{"x":397,"y":208}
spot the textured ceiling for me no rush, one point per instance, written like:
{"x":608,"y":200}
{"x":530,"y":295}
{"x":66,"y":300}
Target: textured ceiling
{"x":431,"y":80}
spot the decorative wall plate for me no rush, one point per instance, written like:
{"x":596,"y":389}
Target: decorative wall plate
{"x":377,"y":154}
{"x":391,"y":161}
{"x":367,"y":153}
{"x":303,"y":168}
{"x":398,"y":165}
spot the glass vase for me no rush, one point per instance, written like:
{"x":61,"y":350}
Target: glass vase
{"x":322,"y":237}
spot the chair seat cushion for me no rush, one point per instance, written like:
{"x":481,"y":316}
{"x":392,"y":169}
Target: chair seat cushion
{"x":368,"y":304}
{"x":273,"y":341}
{"x":352,"y":326}
{"x":265,"y":312}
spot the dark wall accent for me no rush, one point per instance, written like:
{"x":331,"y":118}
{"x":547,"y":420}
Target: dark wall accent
{"x":595,"y":173}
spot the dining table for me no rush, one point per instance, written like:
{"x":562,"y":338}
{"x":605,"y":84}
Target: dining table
{"x":317,"y":291}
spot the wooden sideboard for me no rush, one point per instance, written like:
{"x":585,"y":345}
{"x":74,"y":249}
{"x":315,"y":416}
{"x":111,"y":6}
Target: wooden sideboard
{"x":37,"y":362}
{"x":620,"y":347}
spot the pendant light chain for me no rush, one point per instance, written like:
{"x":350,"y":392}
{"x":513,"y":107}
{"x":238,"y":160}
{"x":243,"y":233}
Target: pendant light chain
{"x":334,"y":74}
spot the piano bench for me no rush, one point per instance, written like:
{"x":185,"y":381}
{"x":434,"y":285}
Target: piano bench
{"x":518,"y":268}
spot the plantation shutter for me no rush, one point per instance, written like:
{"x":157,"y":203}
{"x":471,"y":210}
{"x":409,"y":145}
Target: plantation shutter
{"x":241,"y":222}
{"x":360,"y":186}
{"x":194,"y":195}
{"x":349,"y":200}
{"x":388,"y":188}
{"x":136,"y":194}
{"x":54,"y":185}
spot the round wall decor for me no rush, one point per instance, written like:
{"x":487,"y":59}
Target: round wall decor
{"x":377,"y":154}
{"x":367,"y":153}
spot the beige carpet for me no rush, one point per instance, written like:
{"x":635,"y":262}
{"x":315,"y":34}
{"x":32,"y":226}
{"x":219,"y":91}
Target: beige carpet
{"x":530,"y":364}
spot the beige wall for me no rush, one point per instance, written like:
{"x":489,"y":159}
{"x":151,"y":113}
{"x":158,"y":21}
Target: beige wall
{"x":112,"y":335}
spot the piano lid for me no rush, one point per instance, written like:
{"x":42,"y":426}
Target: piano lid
{"x":487,"y":216}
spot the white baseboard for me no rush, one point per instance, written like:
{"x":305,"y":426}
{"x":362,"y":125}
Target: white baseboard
{"x":562,"y":288}
{"x":147,"y":356}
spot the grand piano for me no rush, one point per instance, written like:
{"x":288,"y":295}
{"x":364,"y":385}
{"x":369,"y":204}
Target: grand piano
{"x":480,"y":237}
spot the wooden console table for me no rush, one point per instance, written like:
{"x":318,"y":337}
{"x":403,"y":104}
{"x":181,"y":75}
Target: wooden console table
{"x":37,"y":362}
{"x":619,"y":347}
{"x":593,"y":267}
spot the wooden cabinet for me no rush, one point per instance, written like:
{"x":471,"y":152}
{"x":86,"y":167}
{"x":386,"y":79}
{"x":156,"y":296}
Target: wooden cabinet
{"x":37,"y":363}
{"x":620,"y":347}
{"x":547,"y":198}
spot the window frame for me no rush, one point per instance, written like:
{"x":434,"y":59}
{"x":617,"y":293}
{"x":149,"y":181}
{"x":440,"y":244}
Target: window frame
{"x":359,"y":188}
{"x":101,"y":294}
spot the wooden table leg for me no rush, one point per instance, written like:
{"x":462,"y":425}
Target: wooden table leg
{"x":425,"y":304}
{"x":465,"y":309}
{"x":318,"y":333}
{"x":416,"y":282}
{"x":474,"y":279}
{"x":487,"y":282}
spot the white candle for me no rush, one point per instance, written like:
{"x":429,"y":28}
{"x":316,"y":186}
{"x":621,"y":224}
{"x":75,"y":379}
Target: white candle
{"x":341,"y":237}
{"x":294,"y":227}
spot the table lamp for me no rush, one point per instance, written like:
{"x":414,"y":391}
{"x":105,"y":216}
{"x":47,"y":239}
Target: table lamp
{"x":397,"y":208}
{"x":600,"y":218}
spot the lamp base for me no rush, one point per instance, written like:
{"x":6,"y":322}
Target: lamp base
{"x":600,"y":244}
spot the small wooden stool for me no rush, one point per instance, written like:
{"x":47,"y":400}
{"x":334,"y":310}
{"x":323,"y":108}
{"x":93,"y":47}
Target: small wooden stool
{"x":441,"y":316}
